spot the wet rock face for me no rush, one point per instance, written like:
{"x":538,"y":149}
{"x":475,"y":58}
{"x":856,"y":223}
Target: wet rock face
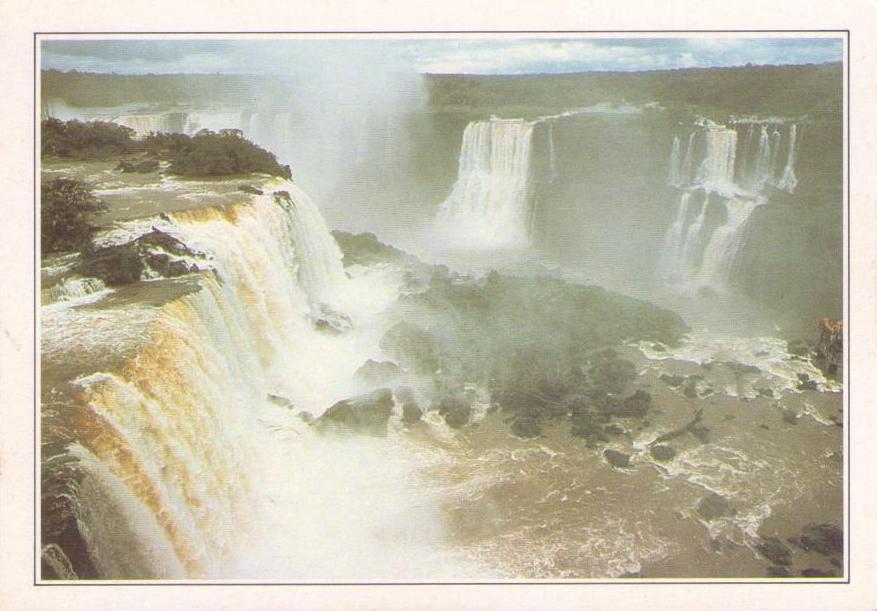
{"x":662,"y":453}
{"x":456,"y":411}
{"x":617,"y":459}
{"x":378,"y":372}
{"x":775,"y":550}
{"x":367,"y":413}
{"x":714,"y":506}
{"x":526,"y":428}
{"x":157,"y":251}
{"x":825,"y":539}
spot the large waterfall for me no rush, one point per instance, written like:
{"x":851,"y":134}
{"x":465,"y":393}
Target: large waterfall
{"x":734,"y":180}
{"x":489,"y":206}
{"x":191,"y":459}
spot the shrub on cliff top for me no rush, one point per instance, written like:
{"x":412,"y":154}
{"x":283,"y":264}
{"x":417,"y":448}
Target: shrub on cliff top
{"x":68,"y":208}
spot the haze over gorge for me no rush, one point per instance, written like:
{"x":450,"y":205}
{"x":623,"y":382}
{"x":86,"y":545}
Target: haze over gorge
{"x":456,"y":328}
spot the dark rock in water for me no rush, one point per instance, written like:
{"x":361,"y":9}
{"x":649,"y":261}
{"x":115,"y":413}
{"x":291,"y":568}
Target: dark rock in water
{"x":411,"y":413}
{"x":825,"y":539}
{"x":378,"y":372}
{"x":805,"y":383}
{"x":714,"y":506}
{"x":526,"y":428}
{"x":141,"y":167}
{"x":662,"y":453}
{"x":617,"y":459}
{"x":281,"y":401}
{"x":740,"y":369}
{"x":365,"y":413}
{"x":613,"y":429}
{"x":765,"y":392}
{"x":690,"y":390}
{"x":816,"y":573}
{"x":455,"y":410}
{"x":764,"y":426}
{"x":126,"y":263}
{"x":250,"y":189}
{"x":635,"y":406}
{"x":404,"y":394}
{"x":774,"y":550}
{"x":327,"y":320}
{"x":777,"y":571}
{"x":673,"y":381}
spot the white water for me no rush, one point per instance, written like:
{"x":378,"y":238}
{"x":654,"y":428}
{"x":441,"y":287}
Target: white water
{"x":489,"y":207}
{"x":725,"y":244}
{"x":189,"y":470}
{"x":552,"y":154}
{"x":717,"y":168}
{"x":755,"y":167}
{"x":789,"y":181}
{"x":674,"y":177}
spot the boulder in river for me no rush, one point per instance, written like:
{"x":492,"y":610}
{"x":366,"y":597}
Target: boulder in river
{"x":662,"y":453}
{"x":617,"y":459}
{"x":157,"y":252}
{"x":825,"y":539}
{"x":378,"y":372}
{"x":367,"y":413}
{"x":714,"y":506}
{"x":456,"y":411}
{"x":774,"y":550}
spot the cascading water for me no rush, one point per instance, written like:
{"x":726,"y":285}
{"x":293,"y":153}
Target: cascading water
{"x":489,"y":206}
{"x":552,"y":154}
{"x":185,"y":466}
{"x":789,"y":181}
{"x":717,"y":168}
{"x":725,"y":243}
{"x":674,"y":177}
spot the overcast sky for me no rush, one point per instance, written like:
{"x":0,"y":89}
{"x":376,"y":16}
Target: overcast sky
{"x":470,"y":55}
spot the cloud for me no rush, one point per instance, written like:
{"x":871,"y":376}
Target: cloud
{"x":463,"y":55}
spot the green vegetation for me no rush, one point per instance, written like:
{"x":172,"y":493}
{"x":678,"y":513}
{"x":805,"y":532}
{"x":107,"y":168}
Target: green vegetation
{"x":68,"y":208}
{"x":78,"y":140}
{"x":209,"y":153}
{"x":206,"y":153}
{"x":811,"y":89}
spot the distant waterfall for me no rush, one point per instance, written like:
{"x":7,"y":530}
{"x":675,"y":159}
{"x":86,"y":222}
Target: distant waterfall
{"x":489,"y":206}
{"x":725,"y":243}
{"x":687,"y":163}
{"x":672,"y":255}
{"x":552,"y":154}
{"x":789,"y":181}
{"x":696,"y":250}
{"x":674,"y":176}
{"x":717,"y":167}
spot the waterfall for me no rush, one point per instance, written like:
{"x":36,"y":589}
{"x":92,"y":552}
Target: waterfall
{"x":489,"y":206}
{"x":183,"y":465}
{"x":717,"y":167}
{"x":687,"y":163}
{"x":674,"y":175}
{"x":671,"y":256}
{"x":692,"y":240}
{"x":761,"y":173}
{"x":775,"y":141}
{"x":725,"y":243}
{"x":552,"y":155}
{"x":789,"y":181}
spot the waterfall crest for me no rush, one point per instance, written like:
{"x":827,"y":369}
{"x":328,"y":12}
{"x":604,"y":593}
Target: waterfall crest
{"x":489,"y":206}
{"x":171,"y":446}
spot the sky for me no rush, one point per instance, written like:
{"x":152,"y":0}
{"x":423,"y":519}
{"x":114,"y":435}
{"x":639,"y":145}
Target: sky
{"x":503,"y":55}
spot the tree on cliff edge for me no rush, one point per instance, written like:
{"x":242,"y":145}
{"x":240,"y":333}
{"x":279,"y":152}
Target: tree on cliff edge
{"x":68,"y":208}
